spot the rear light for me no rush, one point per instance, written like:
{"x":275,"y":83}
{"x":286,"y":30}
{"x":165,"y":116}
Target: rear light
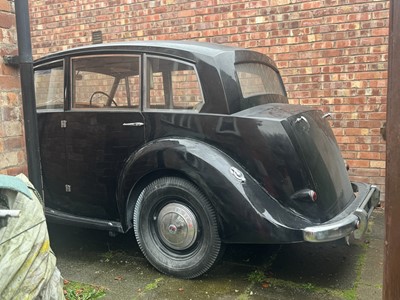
{"x":305,"y":195}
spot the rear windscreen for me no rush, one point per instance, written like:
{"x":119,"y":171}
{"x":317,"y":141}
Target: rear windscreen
{"x":259,"y":84}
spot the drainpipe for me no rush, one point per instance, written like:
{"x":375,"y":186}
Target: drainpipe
{"x":28,"y":93}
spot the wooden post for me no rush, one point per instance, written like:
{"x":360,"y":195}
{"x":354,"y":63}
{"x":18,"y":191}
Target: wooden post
{"x":391,"y":276}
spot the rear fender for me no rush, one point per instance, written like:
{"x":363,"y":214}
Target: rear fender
{"x":240,"y":203}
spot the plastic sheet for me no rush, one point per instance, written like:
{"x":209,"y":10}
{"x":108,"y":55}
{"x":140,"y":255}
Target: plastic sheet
{"x":27,"y":264}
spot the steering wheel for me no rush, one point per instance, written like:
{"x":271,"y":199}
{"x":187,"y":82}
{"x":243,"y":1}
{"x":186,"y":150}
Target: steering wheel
{"x":101,"y":93}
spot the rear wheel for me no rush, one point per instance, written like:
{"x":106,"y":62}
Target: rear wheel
{"x":176,"y":228}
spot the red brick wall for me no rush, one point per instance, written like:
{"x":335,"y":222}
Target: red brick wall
{"x":332,"y":53}
{"x":12,"y":142}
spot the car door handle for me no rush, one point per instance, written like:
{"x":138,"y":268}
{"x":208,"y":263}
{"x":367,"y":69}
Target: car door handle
{"x":134,"y":124}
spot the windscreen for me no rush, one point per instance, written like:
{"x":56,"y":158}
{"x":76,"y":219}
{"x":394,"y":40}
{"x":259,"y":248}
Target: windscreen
{"x":260,"y":84}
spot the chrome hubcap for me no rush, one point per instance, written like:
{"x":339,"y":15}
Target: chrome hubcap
{"x":177,"y":226}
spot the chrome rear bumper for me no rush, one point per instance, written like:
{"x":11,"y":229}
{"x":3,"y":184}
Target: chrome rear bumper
{"x":352,"y":220}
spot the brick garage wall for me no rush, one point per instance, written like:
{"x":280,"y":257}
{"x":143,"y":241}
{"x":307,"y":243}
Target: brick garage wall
{"x":332,"y":53}
{"x":12,"y":142}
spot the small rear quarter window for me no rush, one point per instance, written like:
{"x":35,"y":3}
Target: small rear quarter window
{"x":49,"y":86}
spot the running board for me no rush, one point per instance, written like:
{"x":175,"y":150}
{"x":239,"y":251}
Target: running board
{"x":59,"y":217}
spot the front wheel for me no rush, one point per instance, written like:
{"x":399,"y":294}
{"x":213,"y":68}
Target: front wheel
{"x":176,"y":228}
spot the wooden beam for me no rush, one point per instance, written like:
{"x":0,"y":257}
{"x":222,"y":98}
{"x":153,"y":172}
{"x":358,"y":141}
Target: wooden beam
{"x":391,"y":276}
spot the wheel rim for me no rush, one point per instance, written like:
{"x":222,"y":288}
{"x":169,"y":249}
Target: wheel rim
{"x":177,"y":226}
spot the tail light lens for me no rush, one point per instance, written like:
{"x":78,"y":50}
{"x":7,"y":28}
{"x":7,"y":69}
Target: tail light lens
{"x":306,"y":195}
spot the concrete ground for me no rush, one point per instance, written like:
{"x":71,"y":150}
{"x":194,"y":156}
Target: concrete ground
{"x":299,"y":271}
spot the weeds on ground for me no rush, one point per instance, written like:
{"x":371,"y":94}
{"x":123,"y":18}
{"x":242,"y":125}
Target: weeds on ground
{"x":80,"y":291}
{"x":257,"y":276}
{"x":153,"y":285}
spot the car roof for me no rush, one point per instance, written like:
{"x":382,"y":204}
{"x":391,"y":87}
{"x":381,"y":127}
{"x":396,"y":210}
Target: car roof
{"x":190,"y":50}
{"x":204,"y":48}
{"x":180,"y":47}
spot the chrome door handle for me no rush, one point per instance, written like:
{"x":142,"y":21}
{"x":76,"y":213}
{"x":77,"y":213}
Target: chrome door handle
{"x":134,"y":124}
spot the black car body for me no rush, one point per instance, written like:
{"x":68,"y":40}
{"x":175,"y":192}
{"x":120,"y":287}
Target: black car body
{"x":192,"y":144}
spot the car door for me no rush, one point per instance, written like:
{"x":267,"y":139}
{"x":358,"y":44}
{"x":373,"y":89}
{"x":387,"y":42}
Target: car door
{"x":49,"y":92}
{"x":104,"y":126}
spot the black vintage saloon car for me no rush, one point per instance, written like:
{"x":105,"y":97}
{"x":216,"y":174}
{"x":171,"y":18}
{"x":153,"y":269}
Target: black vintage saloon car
{"x":193,"y":145}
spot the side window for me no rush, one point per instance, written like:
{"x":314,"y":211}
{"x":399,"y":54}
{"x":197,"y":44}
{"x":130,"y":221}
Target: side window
{"x":106,"y":82}
{"x":172,"y":85}
{"x":49,"y":86}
